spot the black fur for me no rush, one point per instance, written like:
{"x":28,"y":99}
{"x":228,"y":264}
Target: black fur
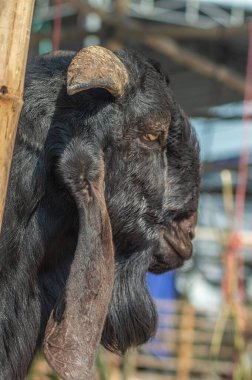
{"x":149,"y":186}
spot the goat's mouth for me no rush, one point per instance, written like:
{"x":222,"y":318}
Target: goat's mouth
{"x":175,"y":246}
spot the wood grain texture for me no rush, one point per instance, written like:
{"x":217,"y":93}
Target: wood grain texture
{"x":15,"y":27}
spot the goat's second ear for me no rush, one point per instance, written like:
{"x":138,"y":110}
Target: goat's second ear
{"x":96,"y":67}
{"x":74,"y":329}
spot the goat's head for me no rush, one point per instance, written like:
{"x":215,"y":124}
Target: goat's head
{"x":151,"y":182}
{"x":101,"y":143}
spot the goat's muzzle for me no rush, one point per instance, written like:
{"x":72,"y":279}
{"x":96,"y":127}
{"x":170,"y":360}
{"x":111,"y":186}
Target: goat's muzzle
{"x":180,"y":235}
{"x":175,"y":244}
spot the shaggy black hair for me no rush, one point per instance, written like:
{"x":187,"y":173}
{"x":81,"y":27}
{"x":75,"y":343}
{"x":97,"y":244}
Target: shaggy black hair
{"x":151,"y":189}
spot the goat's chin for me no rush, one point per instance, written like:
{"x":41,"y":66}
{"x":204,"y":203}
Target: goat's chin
{"x":132,"y":317}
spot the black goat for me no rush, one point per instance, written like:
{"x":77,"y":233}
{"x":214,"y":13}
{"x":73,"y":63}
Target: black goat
{"x":101,"y":140}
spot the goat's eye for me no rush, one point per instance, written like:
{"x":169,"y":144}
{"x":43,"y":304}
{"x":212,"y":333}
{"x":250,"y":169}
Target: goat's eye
{"x":150,"y":137}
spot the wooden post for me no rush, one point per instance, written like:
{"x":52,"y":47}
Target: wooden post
{"x":186,"y":342}
{"x":15,"y":28}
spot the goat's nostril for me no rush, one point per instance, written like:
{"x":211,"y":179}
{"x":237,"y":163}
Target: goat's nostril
{"x":191,"y":233}
{"x":193,"y":219}
{"x":188,"y":225}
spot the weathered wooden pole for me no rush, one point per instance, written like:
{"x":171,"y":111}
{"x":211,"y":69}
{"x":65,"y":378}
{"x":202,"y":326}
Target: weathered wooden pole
{"x":15,"y":28}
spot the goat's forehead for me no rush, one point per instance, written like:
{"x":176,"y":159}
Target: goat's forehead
{"x":156,"y":122}
{"x":153,"y":107}
{"x":155,"y":94}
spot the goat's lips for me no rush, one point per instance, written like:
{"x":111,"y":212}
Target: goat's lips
{"x":180,"y":240}
{"x":180,"y":234}
{"x":175,"y":245}
{"x":162,"y":264}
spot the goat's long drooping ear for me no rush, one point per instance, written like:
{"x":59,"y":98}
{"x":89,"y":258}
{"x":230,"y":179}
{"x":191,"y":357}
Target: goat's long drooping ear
{"x":75,"y":325}
{"x":96,"y":67}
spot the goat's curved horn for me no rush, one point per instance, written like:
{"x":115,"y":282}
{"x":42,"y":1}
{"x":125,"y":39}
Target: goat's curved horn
{"x":96,"y":67}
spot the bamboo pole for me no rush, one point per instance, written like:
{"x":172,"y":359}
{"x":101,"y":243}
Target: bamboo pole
{"x":15,"y":27}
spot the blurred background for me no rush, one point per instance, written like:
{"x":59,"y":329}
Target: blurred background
{"x":205,"y":328}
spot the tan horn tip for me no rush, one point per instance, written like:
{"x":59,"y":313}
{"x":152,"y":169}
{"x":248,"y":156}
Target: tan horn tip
{"x":97,"y":67}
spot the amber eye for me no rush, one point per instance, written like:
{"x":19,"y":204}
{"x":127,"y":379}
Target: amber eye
{"x":150,"y":137}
